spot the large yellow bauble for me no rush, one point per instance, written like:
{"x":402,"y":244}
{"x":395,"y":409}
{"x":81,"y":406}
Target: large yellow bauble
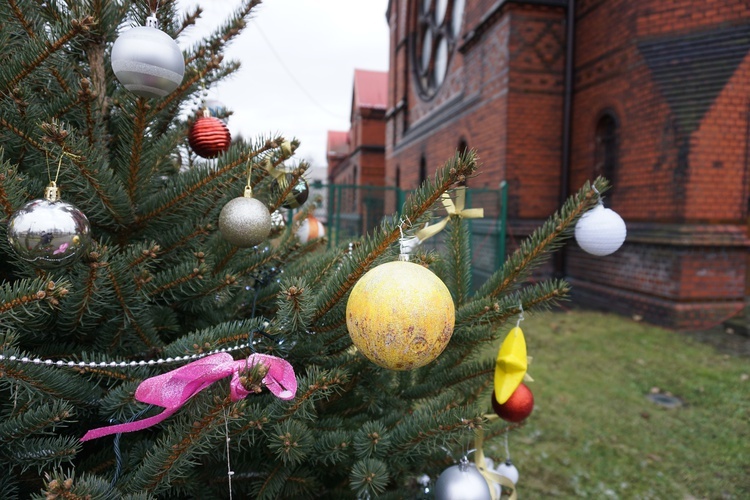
{"x":400,"y":315}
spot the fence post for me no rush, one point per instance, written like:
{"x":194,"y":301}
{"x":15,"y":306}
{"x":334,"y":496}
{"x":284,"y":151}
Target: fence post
{"x":331,"y":201}
{"x":338,"y":213}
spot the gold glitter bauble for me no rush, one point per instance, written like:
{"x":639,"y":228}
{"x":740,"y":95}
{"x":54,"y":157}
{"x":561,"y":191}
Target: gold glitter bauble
{"x":244,"y":222}
{"x":400,"y":315}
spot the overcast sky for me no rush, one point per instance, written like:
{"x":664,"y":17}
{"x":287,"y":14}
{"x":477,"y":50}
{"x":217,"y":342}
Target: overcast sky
{"x":298,"y":59}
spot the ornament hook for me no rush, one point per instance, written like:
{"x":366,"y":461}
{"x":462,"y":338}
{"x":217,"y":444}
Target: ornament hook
{"x":520,"y":315}
{"x":598,"y":194}
{"x":407,"y":243}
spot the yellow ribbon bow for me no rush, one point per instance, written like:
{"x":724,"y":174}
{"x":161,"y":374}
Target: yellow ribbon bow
{"x":276,"y":173}
{"x":452,"y":209}
{"x":491,"y":476}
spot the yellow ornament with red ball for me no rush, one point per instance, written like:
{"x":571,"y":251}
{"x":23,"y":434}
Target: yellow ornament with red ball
{"x":511,"y":364}
{"x":400,"y":315}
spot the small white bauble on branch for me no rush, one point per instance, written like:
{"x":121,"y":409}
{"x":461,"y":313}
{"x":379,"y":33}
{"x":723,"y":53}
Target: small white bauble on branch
{"x":462,"y":482}
{"x":245,"y":221}
{"x":147,"y":61}
{"x":507,"y":469}
{"x":600,"y":231}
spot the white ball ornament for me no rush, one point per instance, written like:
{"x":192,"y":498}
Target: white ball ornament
{"x":462,"y":482}
{"x":507,"y":469}
{"x":147,"y":61}
{"x":600,"y":231}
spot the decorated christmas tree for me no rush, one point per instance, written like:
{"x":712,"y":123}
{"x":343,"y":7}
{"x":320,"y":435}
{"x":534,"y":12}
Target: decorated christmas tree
{"x":164,"y":334}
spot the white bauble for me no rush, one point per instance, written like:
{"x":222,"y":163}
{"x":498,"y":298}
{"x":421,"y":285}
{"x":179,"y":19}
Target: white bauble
{"x":147,"y":61}
{"x":462,"y":482}
{"x":600,"y":231}
{"x":507,"y":469}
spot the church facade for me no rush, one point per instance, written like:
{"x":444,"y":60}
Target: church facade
{"x":653,"y":95}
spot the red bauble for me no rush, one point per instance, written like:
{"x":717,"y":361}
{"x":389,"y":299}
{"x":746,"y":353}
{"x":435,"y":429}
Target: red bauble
{"x":209,"y":137}
{"x":520,"y":404}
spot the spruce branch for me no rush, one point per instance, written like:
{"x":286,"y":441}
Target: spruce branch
{"x":189,"y":20}
{"x":77,"y":26}
{"x":188,"y":83}
{"x":171,"y":455}
{"x":418,"y":203}
{"x":145,"y":336}
{"x":11,"y":193}
{"x":43,"y":453}
{"x":544,"y":240}
{"x":295,"y":305}
{"x":317,"y":384}
{"x":457,"y":263}
{"x":289,"y":184}
{"x":369,"y":477}
{"x":42,"y":419}
{"x":59,"y":383}
{"x":22,"y":134}
{"x":28,"y":303}
{"x":99,"y":179}
{"x":136,"y":146}
{"x":18,"y":13}
{"x":546,"y":293}
{"x":200,"y":182}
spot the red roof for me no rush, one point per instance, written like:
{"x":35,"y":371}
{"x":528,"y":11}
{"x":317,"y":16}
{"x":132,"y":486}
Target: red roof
{"x":337,"y":143}
{"x":370,"y":89}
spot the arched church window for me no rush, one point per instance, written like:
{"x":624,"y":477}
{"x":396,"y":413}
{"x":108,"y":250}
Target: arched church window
{"x":605,"y":151}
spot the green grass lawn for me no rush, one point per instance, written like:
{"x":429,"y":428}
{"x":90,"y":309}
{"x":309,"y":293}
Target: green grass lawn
{"x":595,"y":434}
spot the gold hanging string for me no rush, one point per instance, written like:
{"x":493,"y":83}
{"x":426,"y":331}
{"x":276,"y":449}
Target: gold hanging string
{"x":456,"y":209}
{"x":249,"y":186}
{"x":52,"y":192}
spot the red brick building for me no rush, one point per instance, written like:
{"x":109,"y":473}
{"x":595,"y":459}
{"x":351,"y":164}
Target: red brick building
{"x":357,"y":156}
{"x":654,"y":95}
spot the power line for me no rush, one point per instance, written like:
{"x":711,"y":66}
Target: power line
{"x":294,"y":79}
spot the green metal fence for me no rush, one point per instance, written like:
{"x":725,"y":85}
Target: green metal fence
{"x":349,"y":211}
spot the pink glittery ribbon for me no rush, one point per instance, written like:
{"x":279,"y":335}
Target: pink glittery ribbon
{"x":173,"y":389}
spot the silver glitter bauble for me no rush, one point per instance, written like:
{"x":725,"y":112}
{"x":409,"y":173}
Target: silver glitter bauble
{"x":462,"y":482}
{"x":296,"y":196}
{"x":147,"y":61}
{"x":49,"y":234}
{"x":278,"y":223}
{"x":244,"y":222}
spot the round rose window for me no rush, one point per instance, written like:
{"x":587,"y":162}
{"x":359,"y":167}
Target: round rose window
{"x":438,"y":27}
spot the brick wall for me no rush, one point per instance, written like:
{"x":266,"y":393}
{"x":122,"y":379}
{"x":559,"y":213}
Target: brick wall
{"x":674,"y":75}
{"x":682,"y":173}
